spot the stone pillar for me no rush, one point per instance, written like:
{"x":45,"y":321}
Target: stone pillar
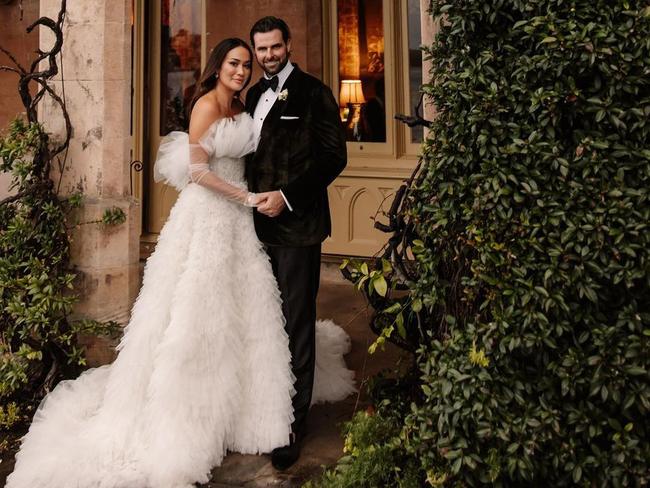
{"x":96,"y":72}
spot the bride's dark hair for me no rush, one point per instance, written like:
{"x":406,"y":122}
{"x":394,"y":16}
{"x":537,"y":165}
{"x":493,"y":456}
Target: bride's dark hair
{"x":208,"y":79}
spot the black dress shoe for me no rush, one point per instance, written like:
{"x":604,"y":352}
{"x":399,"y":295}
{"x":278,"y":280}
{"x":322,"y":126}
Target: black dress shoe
{"x":283,"y":457}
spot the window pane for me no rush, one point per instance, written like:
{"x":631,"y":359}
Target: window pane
{"x":361,"y":69}
{"x":180,"y":61}
{"x":415,"y":62}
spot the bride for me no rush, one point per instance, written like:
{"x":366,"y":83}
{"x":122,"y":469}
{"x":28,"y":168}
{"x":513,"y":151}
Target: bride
{"x":204,"y":364}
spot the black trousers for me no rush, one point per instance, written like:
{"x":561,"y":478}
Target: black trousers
{"x":297,"y":270}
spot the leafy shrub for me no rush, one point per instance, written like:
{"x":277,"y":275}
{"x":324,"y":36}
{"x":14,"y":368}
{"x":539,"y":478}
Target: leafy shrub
{"x":38,"y":343}
{"x":529,"y":221}
{"x":373,"y":453}
{"x":536,"y":195}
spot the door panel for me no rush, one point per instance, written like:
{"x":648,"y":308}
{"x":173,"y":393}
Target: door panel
{"x":175,"y":64}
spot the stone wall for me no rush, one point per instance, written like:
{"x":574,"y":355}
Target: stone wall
{"x":97,"y":73}
{"x":14,"y":38}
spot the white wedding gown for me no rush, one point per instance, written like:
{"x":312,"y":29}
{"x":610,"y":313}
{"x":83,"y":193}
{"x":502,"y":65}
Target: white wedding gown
{"x":204,"y":363}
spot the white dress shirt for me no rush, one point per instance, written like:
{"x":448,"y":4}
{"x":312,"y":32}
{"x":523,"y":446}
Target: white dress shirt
{"x":264,"y":104}
{"x":268,"y":98}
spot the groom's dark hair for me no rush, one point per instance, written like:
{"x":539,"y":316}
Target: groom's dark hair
{"x":267,"y":24}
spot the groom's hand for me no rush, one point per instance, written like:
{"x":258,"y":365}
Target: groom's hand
{"x":272,"y":205}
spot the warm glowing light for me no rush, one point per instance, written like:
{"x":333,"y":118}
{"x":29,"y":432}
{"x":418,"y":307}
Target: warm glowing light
{"x":351,"y":92}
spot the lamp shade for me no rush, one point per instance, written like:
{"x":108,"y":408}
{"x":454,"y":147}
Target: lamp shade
{"x":351,"y":92}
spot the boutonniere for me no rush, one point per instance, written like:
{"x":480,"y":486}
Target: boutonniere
{"x":283,"y":95}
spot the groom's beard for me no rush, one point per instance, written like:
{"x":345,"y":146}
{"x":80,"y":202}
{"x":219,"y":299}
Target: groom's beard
{"x":277,"y":68}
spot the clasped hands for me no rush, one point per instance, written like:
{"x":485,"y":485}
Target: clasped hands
{"x":270,"y":203}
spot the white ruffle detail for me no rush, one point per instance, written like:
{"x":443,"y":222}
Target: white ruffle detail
{"x":203,"y":366}
{"x":172,"y":164}
{"x":232,"y":137}
{"x":226,"y":138}
{"x":333,"y":381}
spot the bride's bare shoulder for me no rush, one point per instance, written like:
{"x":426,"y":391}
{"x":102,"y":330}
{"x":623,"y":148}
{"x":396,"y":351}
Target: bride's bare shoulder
{"x":204,"y":113}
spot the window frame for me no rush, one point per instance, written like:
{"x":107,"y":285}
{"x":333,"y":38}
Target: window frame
{"x":407,"y":147}
{"x":397,"y":153}
{"x":368,"y":149}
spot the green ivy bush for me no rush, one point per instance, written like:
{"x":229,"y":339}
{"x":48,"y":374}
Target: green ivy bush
{"x":531,"y":219}
{"x":537,"y":190}
{"x":38,"y":342}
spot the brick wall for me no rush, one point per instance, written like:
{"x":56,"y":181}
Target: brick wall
{"x":14,"y":38}
{"x":22,"y":45}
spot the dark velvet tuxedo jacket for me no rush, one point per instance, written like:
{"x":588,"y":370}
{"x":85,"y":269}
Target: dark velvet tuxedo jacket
{"x":300,"y":156}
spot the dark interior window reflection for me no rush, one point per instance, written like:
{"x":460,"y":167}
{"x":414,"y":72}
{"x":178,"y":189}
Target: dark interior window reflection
{"x":373,"y":114}
{"x":180,"y":62}
{"x":361,"y":69}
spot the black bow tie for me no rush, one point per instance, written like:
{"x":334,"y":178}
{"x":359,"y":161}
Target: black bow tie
{"x":265,"y":83}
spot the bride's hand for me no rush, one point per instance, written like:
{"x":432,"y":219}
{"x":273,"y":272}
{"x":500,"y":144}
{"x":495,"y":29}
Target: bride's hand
{"x":257,"y":199}
{"x":273,"y":204}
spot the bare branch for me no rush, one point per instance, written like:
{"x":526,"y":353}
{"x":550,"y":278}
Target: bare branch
{"x":66,"y":117}
{"x":51,"y":54}
{"x":9,"y":68}
{"x":13,"y":59}
{"x":42,"y":77}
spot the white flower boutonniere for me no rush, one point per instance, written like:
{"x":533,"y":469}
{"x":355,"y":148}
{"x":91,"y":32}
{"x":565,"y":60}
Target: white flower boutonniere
{"x":283,"y":95}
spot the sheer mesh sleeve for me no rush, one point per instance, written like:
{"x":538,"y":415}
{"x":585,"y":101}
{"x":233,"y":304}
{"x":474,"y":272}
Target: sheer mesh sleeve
{"x":201,"y":175}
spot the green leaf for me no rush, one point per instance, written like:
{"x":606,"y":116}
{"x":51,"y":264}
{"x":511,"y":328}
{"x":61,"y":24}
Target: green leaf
{"x":395,"y":307}
{"x":635,"y":371}
{"x":541,"y":290}
{"x":577,"y":474}
{"x":380,"y":284}
{"x":455,"y":467}
{"x":364,"y":268}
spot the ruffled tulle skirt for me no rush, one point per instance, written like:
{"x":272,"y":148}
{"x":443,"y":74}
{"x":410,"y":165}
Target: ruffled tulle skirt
{"x":203,"y":367}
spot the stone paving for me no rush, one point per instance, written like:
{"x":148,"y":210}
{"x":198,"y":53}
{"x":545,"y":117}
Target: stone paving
{"x":323,"y":445}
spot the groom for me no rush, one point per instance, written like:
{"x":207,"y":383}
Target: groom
{"x":301,"y":150}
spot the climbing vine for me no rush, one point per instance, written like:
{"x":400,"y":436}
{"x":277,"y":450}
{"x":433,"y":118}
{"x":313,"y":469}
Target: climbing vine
{"x":38,"y":339}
